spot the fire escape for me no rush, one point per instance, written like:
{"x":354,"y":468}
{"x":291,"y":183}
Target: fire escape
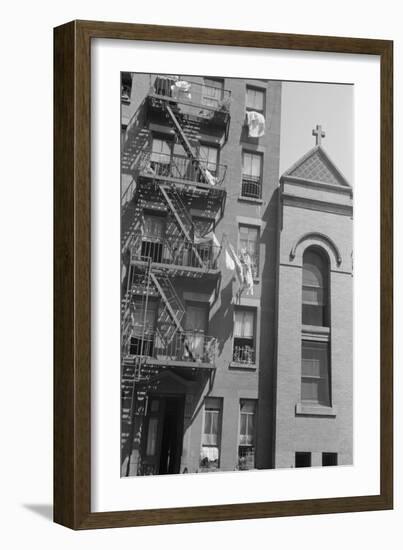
{"x":154,"y":337}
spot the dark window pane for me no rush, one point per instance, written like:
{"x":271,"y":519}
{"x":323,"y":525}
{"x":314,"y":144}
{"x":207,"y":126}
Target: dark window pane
{"x":314,"y":289}
{"x":314,"y":269}
{"x":329,"y":459}
{"x":313,"y":315}
{"x":302,"y":460}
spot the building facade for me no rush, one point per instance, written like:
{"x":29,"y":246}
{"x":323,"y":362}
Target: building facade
{"x":215,"y":377}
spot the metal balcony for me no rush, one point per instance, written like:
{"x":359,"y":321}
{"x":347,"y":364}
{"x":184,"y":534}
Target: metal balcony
{"x":179,"y":169}
{"x":251,"y":187}
{"x":211,"y":103}
{"x":176,"y":253}
{"x":243,"y":355}
{"x":190,"y":348}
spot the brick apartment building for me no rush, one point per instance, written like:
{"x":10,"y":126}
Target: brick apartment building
{"x":214,"y":378}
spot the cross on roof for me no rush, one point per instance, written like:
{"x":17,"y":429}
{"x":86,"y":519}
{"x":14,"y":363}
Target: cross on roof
{"x":319,"y":134}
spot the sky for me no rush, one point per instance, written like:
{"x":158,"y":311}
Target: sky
{"x":303,"y":106}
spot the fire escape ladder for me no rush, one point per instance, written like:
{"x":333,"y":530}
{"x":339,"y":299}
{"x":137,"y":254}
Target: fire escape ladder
{"x":174,"y":308}
{"x":182,"y":216}
{"x":170,"y":298}
{"x":185,"y":143}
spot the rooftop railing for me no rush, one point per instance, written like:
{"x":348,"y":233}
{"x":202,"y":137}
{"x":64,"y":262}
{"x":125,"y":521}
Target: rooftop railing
{"x":209,"y":98}
{"x":190,"y":346}
{"x":175,"y":251}
{"x":180,"y":167}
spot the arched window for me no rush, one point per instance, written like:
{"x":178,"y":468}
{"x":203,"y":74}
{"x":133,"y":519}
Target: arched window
{"x":315,"y":288}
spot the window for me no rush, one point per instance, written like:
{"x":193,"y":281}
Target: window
{"x":213,"y":91}
{"x":315,"y":382}
{"x":126,"y":87}
{"x":143,"y":318}
{"x":251,"y":175}
{"x":244,"y":341}
{"x":249,"y":242}
{"x":211,"y":436}
{"x":315,"y":289}
{"x":153,"y":238}
{"x":160,"y":153}
{"x":329,"y":459}
{"x":255,"y":99}
{"x":246,"y":449}
{"x":209,"y":157}
{"x":302,"y":460}
{"x":196,"y":322}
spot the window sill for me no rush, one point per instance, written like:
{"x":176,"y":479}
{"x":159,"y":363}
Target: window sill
{"x":250,"y":199}
{"x":242,"y":366}
{"x":309,"y":409}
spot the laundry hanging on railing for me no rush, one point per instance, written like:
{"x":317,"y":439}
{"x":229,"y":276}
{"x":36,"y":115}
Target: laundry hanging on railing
{"x":242,"y":265}
{"x":236,"y":263}
{"x":256,"y":124}
{"x":211,"y":239}
{"x":181,"y":90}
{"x":247,"y":271}
{"x":211,"y":180}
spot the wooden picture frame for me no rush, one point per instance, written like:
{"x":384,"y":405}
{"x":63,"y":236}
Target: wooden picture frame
{"x":72,"y":271}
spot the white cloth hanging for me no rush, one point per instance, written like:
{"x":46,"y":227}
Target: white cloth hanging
{"x":248,"y":276}
{"x":211,"y":180}
{"x":181,"y":90}
{"x":256,"y":124}
{"x":238,"y":265}
{"x":229,"y":262}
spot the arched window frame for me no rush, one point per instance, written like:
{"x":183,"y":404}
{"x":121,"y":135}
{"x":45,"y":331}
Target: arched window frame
{"x":316,"y":314}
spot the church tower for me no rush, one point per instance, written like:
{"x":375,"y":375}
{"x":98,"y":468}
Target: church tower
{"x":314,"y":371}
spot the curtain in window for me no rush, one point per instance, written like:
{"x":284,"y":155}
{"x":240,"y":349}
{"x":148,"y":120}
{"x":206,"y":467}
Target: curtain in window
{"x":154,"y":226}
{"x":196,"y":324}
{"x":251,"y":165}
{"x":243,"y":327}
{"x":247,"y":422}
{"x":212,"y":419}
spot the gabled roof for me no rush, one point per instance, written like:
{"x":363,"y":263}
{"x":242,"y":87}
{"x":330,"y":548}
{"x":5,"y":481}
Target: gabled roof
{"x":316,"y":166}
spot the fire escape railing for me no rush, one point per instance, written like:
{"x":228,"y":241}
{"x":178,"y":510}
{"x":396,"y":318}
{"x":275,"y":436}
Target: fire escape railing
{"x":180,"y":167}
{"x":211,"y":98}
{"x":189,"y":346}
{"x":175,"y":251}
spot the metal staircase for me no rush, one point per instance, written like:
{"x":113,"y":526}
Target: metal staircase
{"x":170,"y":318}
{"x":183,"y":140}
{"x":182,"y":216}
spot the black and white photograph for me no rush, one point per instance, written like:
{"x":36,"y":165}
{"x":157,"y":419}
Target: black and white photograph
{"x":236,"y":274}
